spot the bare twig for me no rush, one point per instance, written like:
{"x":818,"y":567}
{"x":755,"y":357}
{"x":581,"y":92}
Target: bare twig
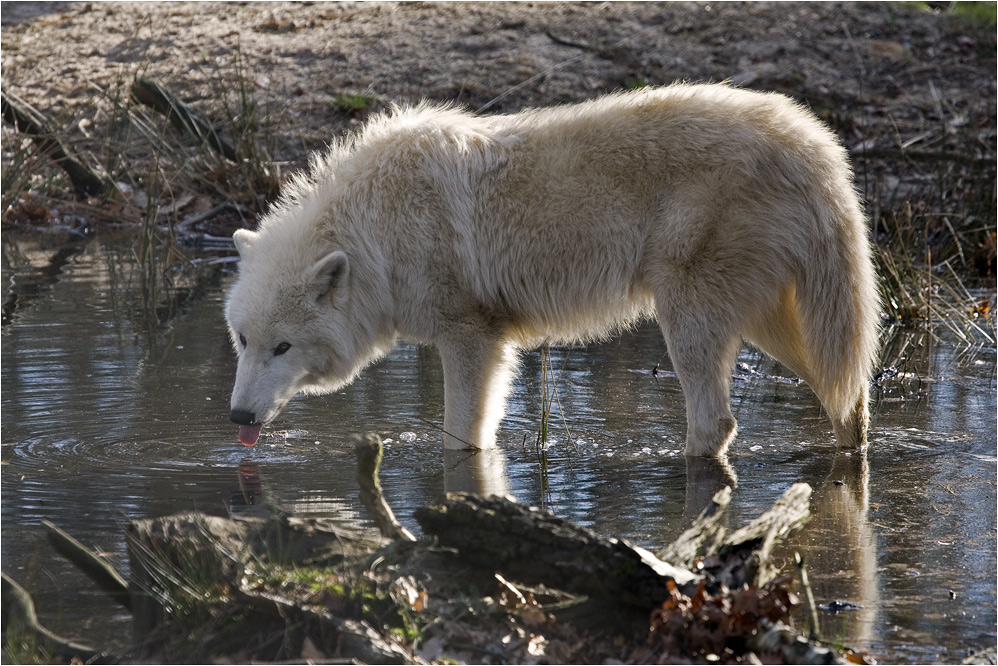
{"x":523,"y":84}
{"x":18,"y":607}
{"x":812,"y":609}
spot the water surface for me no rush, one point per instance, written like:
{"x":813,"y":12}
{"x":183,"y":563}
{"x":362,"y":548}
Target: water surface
{"x":115,"y":384}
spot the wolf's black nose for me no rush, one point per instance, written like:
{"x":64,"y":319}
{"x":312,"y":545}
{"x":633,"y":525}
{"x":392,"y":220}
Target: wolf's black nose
{"x":242,"y":417}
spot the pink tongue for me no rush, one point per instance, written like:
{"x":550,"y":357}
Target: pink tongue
{"x":249,"y":434}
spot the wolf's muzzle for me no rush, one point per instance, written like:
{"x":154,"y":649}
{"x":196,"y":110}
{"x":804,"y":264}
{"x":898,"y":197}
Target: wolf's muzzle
{"x":242,"y":417}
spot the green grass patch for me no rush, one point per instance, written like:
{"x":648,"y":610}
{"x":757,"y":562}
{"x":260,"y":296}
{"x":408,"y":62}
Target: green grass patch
{"x":982,"y":14}
{"x":354,"y":103}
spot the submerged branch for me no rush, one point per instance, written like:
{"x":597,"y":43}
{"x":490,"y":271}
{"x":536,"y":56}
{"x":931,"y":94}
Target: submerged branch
{"x":369,"y":450}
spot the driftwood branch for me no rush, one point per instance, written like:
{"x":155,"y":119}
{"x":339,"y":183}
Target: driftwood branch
{"x":99,"y":571}
{"x":703,"y":536}
{"x":183,"y":117}
{"x":746,"y":551}
{"x":743,"y":556}
{"x":18,"y":113}
{"x":788,"y":513}
{"x":369,"y":451}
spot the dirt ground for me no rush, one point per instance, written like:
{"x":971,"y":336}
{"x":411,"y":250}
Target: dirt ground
{"x":901,"y":75}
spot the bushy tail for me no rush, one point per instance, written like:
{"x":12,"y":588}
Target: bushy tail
{"x":838,"y":304}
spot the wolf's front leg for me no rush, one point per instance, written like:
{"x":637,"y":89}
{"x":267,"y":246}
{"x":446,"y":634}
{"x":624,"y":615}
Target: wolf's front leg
{"x":477,"y":374}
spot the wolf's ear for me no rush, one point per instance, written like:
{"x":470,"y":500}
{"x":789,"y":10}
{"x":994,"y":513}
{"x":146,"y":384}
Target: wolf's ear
{"x":243,"y":238}
{"x":330,"y":272}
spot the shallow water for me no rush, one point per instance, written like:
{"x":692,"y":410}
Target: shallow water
{"x":115,"y":398}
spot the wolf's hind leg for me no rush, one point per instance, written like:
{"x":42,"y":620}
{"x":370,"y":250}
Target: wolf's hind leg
{"x":477,"y":374}
{"x":703,"y":351}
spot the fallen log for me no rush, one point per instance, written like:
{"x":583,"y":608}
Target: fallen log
{"x":183,"y":117}
{"x":533,"y":546}
{"x":352,"y":638}
{"x":25,"y":119}
{"x":164,"y":551}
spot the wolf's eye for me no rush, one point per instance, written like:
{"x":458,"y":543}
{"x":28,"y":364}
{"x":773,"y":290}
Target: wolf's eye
{"x":281,"y":348}
{"x":242,"y":339}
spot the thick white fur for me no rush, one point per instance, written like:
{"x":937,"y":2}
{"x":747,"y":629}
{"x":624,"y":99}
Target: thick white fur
{"x":728,"y":214}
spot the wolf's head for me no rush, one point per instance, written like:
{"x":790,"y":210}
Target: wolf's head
{"x":291,"y":320}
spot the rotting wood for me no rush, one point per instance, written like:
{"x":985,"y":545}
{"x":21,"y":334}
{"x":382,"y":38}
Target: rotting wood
{"x":531,"y":546}
{"x":231,"y":541}
{"x":534,"y":546}
{"x":370,"y":450}
{"x":25,"y":119}
{"x":157,"y":97}
{"x":792,"y":648}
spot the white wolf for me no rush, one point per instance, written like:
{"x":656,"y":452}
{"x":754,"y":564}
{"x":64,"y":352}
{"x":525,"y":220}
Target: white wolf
{"x":725,"y":213}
